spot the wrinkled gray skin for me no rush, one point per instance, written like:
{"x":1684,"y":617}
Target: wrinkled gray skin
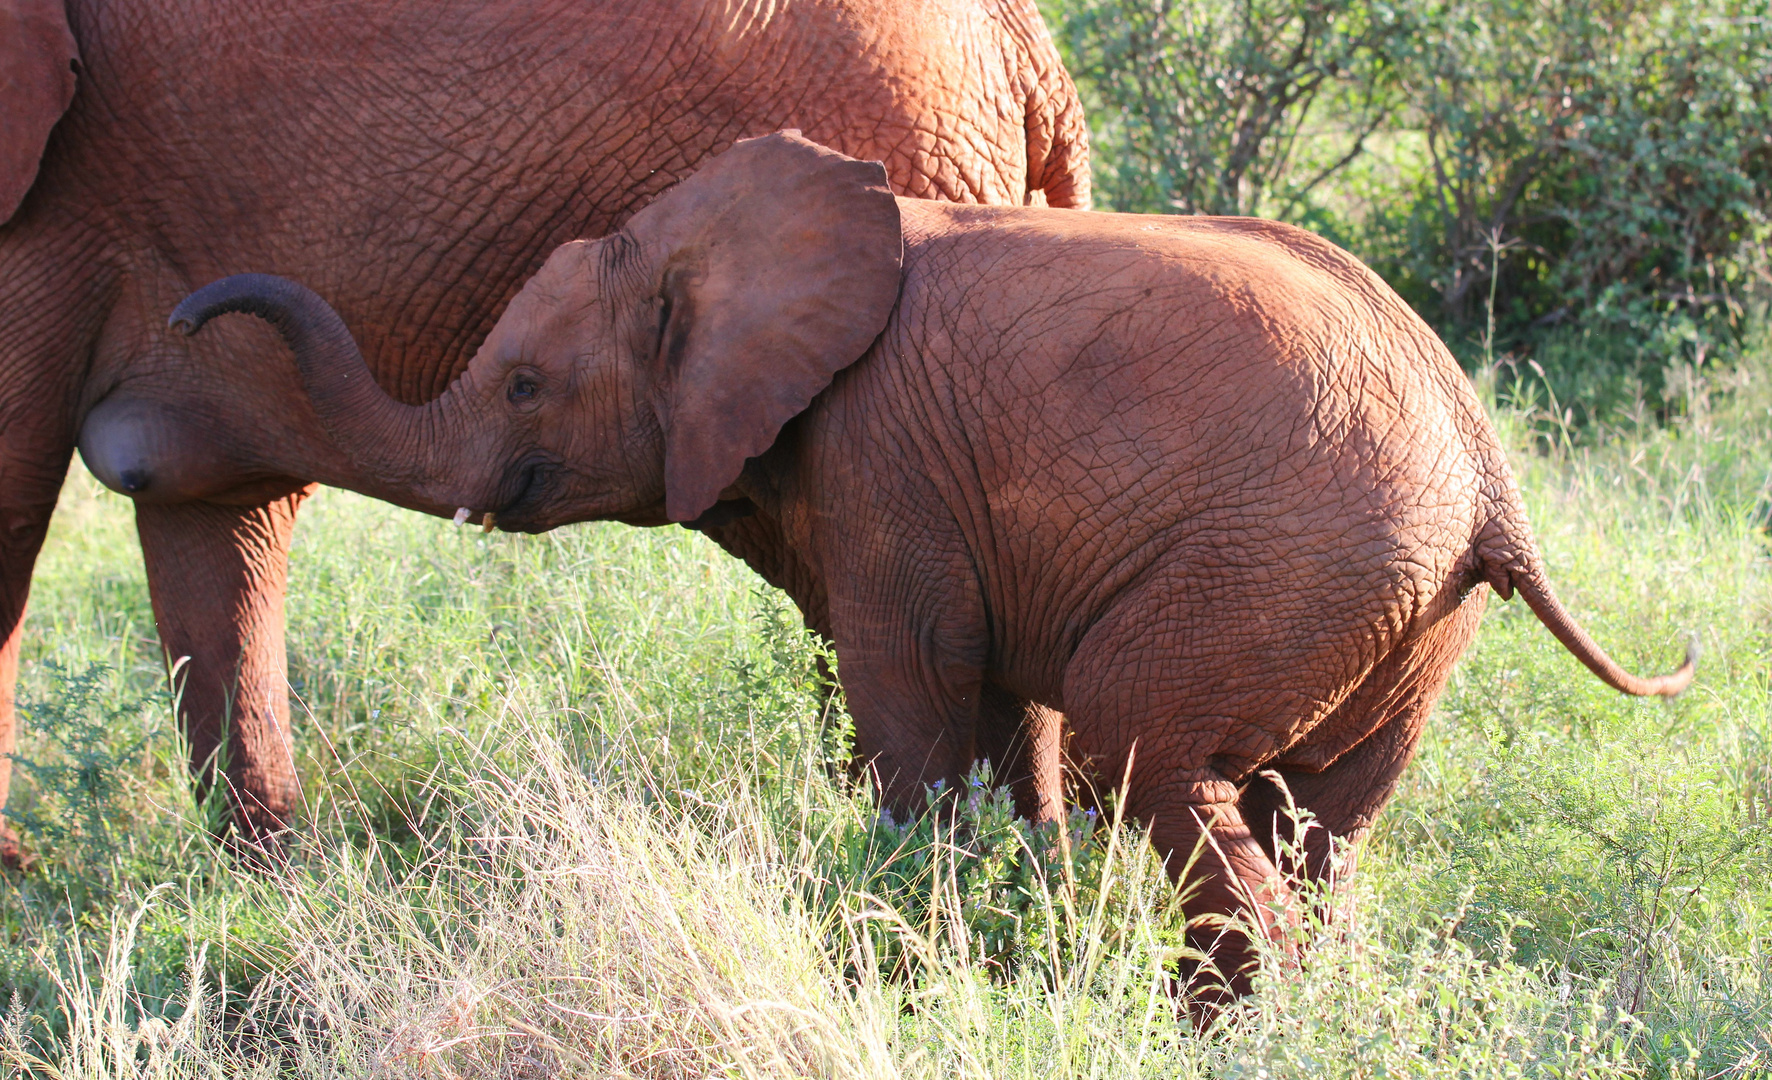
{"x":416,"y":160}
{"x":1205,"y":486}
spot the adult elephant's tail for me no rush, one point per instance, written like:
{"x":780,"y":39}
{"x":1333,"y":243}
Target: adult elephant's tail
{"x":1058,"y":150}
{"x":1511,"y":562}
{"x":1057,"y":131}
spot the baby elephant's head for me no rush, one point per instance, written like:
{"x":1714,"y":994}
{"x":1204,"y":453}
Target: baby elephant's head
{"x":633,"y":375}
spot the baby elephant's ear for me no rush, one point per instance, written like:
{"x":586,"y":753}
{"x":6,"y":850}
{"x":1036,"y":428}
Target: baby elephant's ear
{"x":777,"y":266}
{"x":37,"y":57}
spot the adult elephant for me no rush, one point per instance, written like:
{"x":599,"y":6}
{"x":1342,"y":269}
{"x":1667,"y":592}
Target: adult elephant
{"x":414,"y":161}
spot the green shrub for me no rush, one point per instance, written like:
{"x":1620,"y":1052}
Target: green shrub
{"x":86,"y":781}
{"x":1583,"y":183}
{"x":1200,"y":107}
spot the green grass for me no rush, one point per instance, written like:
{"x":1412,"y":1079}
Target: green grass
{"x":572,"y":813}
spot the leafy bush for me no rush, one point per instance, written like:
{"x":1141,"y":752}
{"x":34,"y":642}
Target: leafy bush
{"x":1200,"y":106}
{"x":87,"y":781}
{"x":1596,"y":171}
{"x":1585,"y":183}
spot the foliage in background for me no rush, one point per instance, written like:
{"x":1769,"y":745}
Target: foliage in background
{"x":1201,"y":104}
{"x":1582,"y":183}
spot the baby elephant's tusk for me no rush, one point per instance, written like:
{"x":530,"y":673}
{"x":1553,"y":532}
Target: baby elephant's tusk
{"x":462,"y":515}
{"x":486,"y":525}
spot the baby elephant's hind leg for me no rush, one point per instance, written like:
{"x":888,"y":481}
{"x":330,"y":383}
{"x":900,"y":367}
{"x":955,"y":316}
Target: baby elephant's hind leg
{"x":1339,"y":803}
{"x":1222,"y":868}
{"x":1023,"y":743}
{"x":1169,"y":681}
{"x":1344,"y":799}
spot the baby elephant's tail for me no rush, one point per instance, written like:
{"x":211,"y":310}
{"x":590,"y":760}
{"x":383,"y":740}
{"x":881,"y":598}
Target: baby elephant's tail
{"x":1507,"y":573}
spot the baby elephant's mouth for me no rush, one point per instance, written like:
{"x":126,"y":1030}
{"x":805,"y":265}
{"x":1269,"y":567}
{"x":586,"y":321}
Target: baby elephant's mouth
{"x":523,"y":496}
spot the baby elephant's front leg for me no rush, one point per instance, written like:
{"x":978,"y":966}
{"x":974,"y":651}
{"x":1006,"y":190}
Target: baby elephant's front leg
{"x":911,"y":659}
{"x":913,"y":724}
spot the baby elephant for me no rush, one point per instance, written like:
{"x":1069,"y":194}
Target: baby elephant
{"x":1205,"y":486}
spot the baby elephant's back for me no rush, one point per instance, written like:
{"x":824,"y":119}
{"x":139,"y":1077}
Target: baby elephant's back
{"x":1227,"y":391}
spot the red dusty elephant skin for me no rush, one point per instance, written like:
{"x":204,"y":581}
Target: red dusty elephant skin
{"x":1204,"y":485}
{"x":416,"y":160}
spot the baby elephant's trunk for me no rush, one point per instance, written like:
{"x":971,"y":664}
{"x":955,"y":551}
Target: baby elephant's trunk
{"x":386,"y":439}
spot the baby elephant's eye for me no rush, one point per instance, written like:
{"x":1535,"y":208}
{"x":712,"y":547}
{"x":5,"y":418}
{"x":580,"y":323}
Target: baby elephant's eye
{"x":522,"y":389}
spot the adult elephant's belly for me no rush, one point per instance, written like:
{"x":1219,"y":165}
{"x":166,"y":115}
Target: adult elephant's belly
{"x":423,"y":171}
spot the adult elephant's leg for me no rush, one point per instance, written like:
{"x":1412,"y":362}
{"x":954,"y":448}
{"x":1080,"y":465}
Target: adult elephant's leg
{"x":54,"y":292}
{"x":1023,"y":741}
{"x":31,"y":474}
{"x":217,"y":576}
{"x":1344,"y":798}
